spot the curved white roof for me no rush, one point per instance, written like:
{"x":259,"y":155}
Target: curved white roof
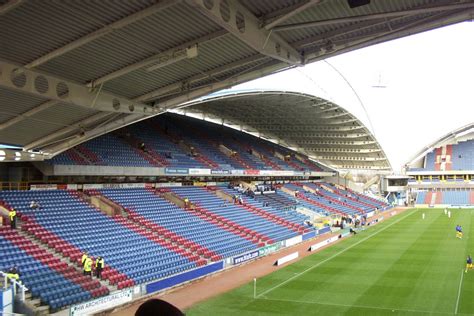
{"x":311,"y":125}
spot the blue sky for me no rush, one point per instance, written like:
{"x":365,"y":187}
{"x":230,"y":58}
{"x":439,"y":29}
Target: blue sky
{"x":429,"y":87}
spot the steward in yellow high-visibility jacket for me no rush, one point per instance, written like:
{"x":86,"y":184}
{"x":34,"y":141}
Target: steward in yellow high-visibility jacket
{"x":99,"y":266}
{"x":13,"y":274}
{"x":83,"y":259}
{"x":88,"y":266}
{"x":12,"y":215}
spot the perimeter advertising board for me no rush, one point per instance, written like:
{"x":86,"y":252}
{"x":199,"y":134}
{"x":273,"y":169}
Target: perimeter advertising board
{"x":102,"y":303}
{"x":252,"y":172}
{"x":43,"y":187}
{"x":220,"y":171}
{"x":246,"y":257}
{"x":176,"y":171}
{"x":268,"y":249}
{"x":116,"y":186}
{"x":199,"y":172}
{"x":293,"y":241}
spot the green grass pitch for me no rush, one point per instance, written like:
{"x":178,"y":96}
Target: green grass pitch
{"x":403,"y":266}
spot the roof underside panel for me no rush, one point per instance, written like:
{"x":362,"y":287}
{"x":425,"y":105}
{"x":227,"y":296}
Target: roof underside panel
{"x":23,"y":132}
{"x":42,"y":123}
{"x":35,"y":28}
{"x":211,"y":55}
{"x":13,"y":103}
{"x":147,"y":37}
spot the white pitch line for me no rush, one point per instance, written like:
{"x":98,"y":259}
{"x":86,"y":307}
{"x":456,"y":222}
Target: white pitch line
{"x":333,"y":256}
{"x":459,"y":292}
{"x":357,"y":306}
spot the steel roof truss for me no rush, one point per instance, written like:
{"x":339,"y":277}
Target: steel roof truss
{"x":46,"y":86}
{"x":246,"y":27}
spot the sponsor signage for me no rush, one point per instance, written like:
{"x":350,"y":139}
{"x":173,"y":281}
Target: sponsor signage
{"x":283,"y":173}
{"x":285,"y":259}
{"x":293,"y":241}
{"x":279,"y":173}
{"x":116,"y":186}
{"x":44,"y":187}
{"x":168,"y":184}
{"x":199,"y":172}
{"x":176,"y":171}
{"x":237,"y":172}
{"x":246,"y":257}
{"x":268,"y":249}
{"x":220,"y":171}
{"x":252,"y":172}
{"x":100,"y":304}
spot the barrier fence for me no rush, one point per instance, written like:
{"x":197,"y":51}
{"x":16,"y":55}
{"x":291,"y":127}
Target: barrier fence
{"x":17,"y":286}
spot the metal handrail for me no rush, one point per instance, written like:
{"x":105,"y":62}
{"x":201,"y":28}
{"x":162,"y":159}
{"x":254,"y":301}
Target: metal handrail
{"x":15,"y":285}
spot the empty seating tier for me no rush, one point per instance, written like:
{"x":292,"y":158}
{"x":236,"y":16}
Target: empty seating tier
{"x":175,"y":141}
{"x":446,"y":197}
{"x":458,"y":156}
{"x":154,"y":237}
{"x":197,"y":234}
{"x":83,"y":226}
{"x":262,"y":227}
{"x":45,"y":275}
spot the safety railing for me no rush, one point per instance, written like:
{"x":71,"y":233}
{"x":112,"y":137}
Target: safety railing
{"x":17,"y":286}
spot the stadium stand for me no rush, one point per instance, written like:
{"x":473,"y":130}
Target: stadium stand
{"x":463,"y":155}
{"x":46,"y":276}
{"x":71,"y":122}
{"x":444,"y":176}
{"x":276,"y":200}
{"x":219,"y":222}
{"x":446,"y":197}
{"x":458,"y":156}
{"x":184,"y":224}
{"x":289,"y":218}
{"x":329,"y":198}
{"x":181,"y":142}
{"x":87,"y":229}
{"x":265,"y":230}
